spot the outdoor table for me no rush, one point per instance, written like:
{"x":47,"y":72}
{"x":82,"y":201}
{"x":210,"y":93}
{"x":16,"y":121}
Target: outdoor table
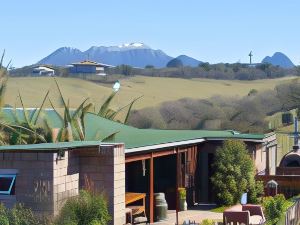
{"x":131,"y":197}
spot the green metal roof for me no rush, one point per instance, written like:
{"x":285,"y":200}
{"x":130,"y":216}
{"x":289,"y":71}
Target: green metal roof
{"x":98,"y":128}
{"x":51,"y":146}
{"x":134,"y":137}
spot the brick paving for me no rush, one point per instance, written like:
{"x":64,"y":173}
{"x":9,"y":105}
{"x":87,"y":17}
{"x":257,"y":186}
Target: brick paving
{"x":197,"y":214}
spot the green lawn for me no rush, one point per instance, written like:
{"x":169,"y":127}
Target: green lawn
{"x":154,"y":89}
{"x":220,"y":209}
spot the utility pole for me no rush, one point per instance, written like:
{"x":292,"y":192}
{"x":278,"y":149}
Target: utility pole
{"x":250,"y":55}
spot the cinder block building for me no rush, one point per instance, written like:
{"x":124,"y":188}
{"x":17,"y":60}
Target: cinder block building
{"x":147,"y":161}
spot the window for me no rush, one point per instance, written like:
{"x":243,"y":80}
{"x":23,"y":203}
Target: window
{"x":7,"y":184}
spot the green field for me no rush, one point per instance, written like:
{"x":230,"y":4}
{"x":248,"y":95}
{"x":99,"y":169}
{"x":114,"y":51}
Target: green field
{"x":154,"y":89}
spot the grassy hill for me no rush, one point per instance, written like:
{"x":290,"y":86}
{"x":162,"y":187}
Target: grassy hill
{"x":154,"y":89}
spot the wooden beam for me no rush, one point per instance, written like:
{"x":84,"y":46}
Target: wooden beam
{"x":164,"y":153}
{"x":151,"y":189}
{"x":133,"y":158}
{"x":183,"y":150}
{"x":138,"y":157}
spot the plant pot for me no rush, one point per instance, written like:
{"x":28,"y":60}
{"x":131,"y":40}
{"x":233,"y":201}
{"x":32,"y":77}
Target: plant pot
{"x":182,"y":205}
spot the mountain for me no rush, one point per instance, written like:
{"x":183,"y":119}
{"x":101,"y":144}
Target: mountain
{"x":279,"y":59}
{"x":63,"y":56}
{"x":188,"y":61}
{"x":134,"y":54}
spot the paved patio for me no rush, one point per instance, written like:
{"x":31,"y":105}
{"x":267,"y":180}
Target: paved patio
{"x":196,"y":213}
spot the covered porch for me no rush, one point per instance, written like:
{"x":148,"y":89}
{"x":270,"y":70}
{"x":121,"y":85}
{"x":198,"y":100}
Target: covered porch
{"x":163,"y":171}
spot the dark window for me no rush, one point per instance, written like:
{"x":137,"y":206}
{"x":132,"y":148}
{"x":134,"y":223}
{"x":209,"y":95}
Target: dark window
{"x":7,"y":184}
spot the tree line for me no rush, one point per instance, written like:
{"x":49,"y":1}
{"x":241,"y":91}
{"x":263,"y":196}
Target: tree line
{"x":245,"y":114}
{"x":224,"y":71}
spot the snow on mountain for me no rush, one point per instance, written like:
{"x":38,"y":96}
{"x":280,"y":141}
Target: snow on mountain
{"x":134,"y":54}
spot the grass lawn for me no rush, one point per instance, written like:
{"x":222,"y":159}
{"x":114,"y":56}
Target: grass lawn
{"x":220,"y":209}
{"x":154,"y":89}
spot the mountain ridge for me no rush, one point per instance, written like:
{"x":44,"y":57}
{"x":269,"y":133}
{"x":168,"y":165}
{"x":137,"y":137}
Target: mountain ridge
{"x":134,"y":54}
{"x":279,"y":59}
{"x":137,"y":55}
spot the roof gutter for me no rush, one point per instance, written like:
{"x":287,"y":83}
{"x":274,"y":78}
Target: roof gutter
{"x":165,"y":145}
{"x":241,"y":139}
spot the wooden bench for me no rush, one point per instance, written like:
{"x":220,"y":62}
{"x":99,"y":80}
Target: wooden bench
{"x":136,"y":210}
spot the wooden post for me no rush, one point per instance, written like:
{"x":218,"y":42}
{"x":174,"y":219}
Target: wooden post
{"x":151,"y":195}
{"x":267,"y":160}
{"x":178,"y":168}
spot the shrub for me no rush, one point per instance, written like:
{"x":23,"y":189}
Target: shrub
{"x":234,"y":174}
{"x":207,"y":222}
{"x":87,"y":208}
{"x":4,"y":220}
{"x":273,"y":208}
{"x":182,"y":193}
{"x":19,"y":215}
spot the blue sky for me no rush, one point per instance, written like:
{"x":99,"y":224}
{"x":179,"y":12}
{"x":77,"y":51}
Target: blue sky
{"x":214,"y":31}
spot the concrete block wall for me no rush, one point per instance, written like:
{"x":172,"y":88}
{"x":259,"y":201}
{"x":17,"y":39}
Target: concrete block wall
{"x":45,"y":180}
{"x":65,"y":179}
{"x":34,"y":182}
{"x":103,"y":170}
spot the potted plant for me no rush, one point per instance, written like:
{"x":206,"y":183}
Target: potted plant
{"x":182,"y":199}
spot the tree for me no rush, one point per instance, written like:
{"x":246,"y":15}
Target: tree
{"x":297,"y":68}
{"x":234,"y":174}
{"x":149,"y":67}
{"x":274,"y":208}
{"x":205,"y":66}
{"x":125,"y":70}
{"x":174,"y":63}
{"x":252,"y":92}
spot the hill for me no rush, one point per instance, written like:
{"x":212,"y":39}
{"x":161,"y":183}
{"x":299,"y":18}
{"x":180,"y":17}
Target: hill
{"x":188,"y":61}
{"x":279,"y":59}
{"x":134,"y":54}
{"x":154,"y":90}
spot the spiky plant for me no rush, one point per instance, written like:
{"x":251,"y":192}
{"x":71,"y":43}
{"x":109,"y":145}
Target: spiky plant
{"x":73,"y":128}
{"x":5,"y":128}
{"x":31,"y":128}
{"x":73,"y":120}
{"x":106,"y":112}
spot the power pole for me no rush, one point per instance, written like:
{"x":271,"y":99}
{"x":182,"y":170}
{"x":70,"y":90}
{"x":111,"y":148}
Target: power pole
{"x":250,"y":55}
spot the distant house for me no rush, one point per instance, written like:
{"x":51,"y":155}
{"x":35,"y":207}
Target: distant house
{"x":89,"y":67}
{"x":43,"y":71}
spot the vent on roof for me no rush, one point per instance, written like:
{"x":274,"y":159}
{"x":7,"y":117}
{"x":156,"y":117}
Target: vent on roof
{"x":234,"y":132}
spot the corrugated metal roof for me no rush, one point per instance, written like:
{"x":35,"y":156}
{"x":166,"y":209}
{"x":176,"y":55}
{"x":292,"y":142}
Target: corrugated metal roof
{"x":51,"y":146}
{"x":98,"y":128}
{"x":134,"y":137}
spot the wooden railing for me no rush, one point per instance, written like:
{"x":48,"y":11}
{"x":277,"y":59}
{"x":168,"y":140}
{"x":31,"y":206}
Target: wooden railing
{"x":292,"y":216}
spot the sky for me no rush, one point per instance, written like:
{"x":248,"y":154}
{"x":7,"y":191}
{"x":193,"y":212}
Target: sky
{"x":213,"y":30}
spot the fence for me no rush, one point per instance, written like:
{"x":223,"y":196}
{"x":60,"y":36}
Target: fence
{"x":292,"y":216}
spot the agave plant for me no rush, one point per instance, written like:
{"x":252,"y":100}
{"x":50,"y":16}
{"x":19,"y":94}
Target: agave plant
{"x":28,"y":125}
{"x":73,"y":120}
{"x":73,"y":128}
{"x":106,"y":112}
{"x":5,"y":128}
